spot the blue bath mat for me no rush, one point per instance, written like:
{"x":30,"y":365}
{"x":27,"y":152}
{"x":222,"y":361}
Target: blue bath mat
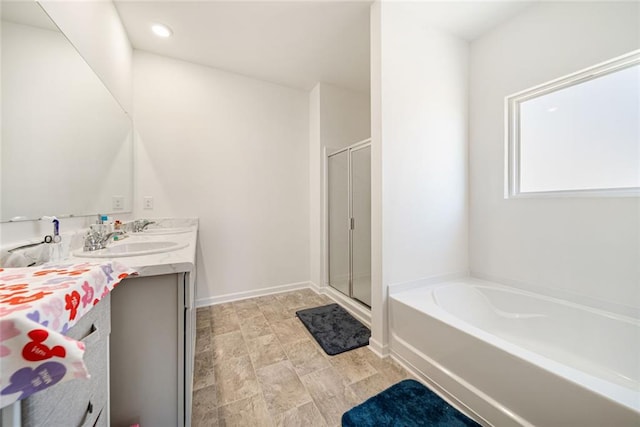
{"x":405,"y":404}
{"x":334,"y":328}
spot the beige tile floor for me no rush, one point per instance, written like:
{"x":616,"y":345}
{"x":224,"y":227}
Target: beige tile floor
{"x":257,"y":365}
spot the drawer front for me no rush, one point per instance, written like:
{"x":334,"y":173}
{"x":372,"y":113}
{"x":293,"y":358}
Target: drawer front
{"x":98,"y":317}
{"x":76,"y":402}
{"x":97,"y":361}
{"x":80,"y":402}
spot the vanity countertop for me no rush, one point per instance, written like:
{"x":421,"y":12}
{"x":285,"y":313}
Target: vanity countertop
{"x":177,"y":261}
{"x":39,"y":304}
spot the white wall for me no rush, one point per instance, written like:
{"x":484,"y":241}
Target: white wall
{"x":589,"y":247}
{"x":234,"y":152}
{"x":379,"y":318}
{"x":95,"y":29}
{"x":345,"y":117}
{"x":316,"y":202}
{"x":338,"y":117}
{"x":422,"y":138}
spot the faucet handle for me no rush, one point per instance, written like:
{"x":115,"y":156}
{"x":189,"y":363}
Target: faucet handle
{"x":106,"y":238}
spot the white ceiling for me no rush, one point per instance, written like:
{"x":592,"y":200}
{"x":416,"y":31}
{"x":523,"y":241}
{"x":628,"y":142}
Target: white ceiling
{"x":296,"y":44}
{"x":26,"y":13}
{"x":465,"y":19}
{"x":293,"y":43}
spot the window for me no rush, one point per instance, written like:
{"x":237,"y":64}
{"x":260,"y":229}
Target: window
{"x":578,"y":135}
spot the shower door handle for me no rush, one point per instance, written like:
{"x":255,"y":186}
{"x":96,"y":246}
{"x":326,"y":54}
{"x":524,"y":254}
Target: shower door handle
{"x":352,"y":223}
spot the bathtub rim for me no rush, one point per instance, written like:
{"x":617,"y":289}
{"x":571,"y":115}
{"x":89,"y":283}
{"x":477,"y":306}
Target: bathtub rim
{"x":481,"y":283}
{"x":624,"y":396}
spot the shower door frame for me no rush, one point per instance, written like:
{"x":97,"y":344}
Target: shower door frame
{"x":351,"y":148}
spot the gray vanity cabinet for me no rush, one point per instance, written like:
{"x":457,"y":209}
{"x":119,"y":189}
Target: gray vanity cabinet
{"x":149,"y":385}
{"x":78,"y":402}
{"x":139,"y":351}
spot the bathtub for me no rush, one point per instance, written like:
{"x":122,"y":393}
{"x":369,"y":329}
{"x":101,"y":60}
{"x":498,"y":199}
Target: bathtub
{"x":510,"y":357}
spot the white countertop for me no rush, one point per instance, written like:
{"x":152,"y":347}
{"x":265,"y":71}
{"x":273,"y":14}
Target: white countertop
{"x":176,"y":261}
{"x":78,"y":294}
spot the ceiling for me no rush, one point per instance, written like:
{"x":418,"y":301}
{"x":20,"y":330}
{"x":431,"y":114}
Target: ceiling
{"x":467,"y":20}
{"x":26,"y":13}
{"x":293,"y":43}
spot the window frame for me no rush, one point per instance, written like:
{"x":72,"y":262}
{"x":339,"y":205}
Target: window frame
{"x":512,"y":129}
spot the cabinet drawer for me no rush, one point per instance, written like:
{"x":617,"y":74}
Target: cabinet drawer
{"x":98,"y":318}
{"x":76,"y":402}
{"x":80,"y":402}
{"x":97,"y":361}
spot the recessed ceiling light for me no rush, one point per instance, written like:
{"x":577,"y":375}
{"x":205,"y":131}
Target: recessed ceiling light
{"x":161,"y":30}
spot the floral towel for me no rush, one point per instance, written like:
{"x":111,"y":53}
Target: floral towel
{"x":38,"y":305}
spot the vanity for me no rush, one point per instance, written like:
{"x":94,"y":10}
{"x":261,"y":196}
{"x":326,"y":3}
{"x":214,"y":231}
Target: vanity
{"x":139,"y":340}
{"x":153,"y":332}
{"x":67,"y":147}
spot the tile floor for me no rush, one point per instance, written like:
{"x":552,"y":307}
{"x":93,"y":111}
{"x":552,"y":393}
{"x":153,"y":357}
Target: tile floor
{"x":257,"y":365}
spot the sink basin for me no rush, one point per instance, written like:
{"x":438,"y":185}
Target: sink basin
{"x":156,"y":231}
{"x":132,"y":249}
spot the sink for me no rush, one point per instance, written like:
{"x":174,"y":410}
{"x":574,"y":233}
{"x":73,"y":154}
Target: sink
{"x":156,"y":231}
{"x":132,"y":249}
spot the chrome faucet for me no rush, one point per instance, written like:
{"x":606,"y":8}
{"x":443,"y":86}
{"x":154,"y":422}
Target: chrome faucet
{"x":94,"y":241}
{"x":140,"y":225}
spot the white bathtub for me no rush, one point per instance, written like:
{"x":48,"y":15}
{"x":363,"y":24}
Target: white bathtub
{"x":517,"y":358}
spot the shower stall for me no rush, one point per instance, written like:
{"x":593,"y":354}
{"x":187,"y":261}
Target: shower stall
{"x":349,"y":221}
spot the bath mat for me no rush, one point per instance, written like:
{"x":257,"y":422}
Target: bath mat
{"x":334,"y":328}
{"x":405,"y":404}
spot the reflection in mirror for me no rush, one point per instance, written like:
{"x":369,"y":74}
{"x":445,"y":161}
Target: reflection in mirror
{"x":66,"y":145}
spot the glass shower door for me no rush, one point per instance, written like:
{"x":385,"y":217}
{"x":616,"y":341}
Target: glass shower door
{"x":361,"y":226}
{"x":338,"y":196}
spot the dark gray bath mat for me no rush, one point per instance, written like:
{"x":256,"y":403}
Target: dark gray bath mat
{"x":334,"y":328}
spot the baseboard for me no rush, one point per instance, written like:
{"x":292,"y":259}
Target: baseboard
{"x":317,"y":289}
{"x":204,"y":302}
{"x":380,"y":350}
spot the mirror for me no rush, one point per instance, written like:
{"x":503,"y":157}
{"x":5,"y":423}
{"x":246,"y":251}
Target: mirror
{"x":66,"y":146}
